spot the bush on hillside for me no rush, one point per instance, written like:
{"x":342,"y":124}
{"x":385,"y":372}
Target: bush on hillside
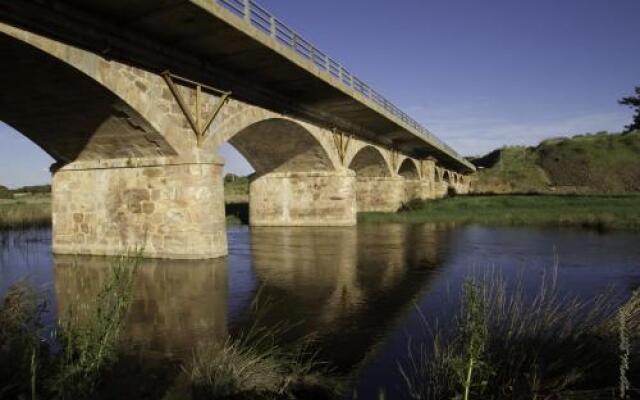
{"x":5,"y":193}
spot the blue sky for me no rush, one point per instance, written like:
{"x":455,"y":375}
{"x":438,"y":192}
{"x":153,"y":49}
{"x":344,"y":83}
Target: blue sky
{"x":479,"y":74}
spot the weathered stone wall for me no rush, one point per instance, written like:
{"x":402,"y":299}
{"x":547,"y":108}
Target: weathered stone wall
{"x":167,"y":211}
{"x":379,"y":194}
{"x":303,"y":199}
{"x":417,"y":189}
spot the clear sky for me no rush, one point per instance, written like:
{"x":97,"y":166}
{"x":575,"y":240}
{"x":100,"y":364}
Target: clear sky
{"x":478,"y":74}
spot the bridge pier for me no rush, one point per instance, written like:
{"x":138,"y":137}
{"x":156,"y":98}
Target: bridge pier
{"x":321,"y":198}
{"x":384,"y":194}
{"x":163,"y":209}
{"x":418,"y":189}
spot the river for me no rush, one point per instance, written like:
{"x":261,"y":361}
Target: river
{"x":356,"y":290}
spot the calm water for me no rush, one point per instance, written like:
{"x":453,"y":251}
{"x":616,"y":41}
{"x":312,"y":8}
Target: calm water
{"x":355,"y":289}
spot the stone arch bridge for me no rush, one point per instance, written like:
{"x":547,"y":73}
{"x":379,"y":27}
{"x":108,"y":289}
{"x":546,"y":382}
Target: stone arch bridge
{"x":136,"y":145}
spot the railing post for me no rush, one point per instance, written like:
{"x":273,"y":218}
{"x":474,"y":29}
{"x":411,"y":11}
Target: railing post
{"x":272,"y":26}
{"x":247,"y":10}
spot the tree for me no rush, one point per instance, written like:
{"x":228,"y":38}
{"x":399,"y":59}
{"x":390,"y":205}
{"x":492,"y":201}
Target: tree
{"x":634,"y":103}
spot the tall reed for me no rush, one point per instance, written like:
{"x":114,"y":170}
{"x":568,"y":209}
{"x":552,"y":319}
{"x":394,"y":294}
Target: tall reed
{"x":84,"y":340}
{"x":88,"y":333}
{"x":20,"y":328}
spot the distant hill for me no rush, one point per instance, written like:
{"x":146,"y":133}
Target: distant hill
{"x":591,"y":163}
{"x":34,"y":189}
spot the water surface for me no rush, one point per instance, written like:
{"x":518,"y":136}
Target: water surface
{"x":354,"y":290}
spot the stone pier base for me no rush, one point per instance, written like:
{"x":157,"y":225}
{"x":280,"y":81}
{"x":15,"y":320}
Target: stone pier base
{"x":162,"y":210}
{"x":324,"y":198}
{"x":417,"y":189}
{"x":440,"y":190}
{"x":380,"y":194}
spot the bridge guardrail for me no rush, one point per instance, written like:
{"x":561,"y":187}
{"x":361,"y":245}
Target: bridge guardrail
{"x":267,"y":23}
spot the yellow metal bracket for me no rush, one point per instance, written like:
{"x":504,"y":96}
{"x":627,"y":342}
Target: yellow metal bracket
{"x":341,"y":142}
{"x":195,"y":122}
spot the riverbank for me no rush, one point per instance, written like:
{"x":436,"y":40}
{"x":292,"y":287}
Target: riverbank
{"x":602,"y":212}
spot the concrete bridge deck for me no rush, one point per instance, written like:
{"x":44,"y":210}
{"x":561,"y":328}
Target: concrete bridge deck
{"x":264,"y":61}
{"x":134,"y":99}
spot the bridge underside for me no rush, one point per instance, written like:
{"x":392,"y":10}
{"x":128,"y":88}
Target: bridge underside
{"x":137,"y":166}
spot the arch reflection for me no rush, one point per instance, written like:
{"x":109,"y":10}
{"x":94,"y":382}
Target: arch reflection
{"x":175,"y":304}
{"x":346,"y":286}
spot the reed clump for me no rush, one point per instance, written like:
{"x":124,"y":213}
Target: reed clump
{"x":252,"y":364}
{"x":505,"y":344}
{"x":83,"y":345}
{"x":17,"y":215}
{"x":20,"y":325}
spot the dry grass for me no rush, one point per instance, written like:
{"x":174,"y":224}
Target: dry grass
{"x":18,"y":214}
{"x":252,"y":364}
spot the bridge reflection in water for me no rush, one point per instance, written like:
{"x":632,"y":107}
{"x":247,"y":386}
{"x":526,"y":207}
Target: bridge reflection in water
{"x":346,"y":286}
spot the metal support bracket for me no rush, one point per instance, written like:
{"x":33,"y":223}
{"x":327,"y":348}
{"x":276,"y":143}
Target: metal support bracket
{"x":341,"y":142}
{"x":195,"y":122}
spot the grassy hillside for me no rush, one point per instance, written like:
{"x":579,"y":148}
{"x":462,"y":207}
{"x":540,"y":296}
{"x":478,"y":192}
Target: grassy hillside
{"x":597,"y":163}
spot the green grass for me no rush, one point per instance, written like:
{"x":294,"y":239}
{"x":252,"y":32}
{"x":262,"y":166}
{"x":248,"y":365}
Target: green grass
{"x":515,"y":171}
{"x":596,"y":211}
{"x":591,"y":163}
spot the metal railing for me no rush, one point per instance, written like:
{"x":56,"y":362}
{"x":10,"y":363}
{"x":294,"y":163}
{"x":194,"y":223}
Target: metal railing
{"x":264,"y":21}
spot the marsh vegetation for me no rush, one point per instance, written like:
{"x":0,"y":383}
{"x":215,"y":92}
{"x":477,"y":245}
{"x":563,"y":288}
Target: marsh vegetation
{"x":506,"y":344}
{"x":25,"y":213}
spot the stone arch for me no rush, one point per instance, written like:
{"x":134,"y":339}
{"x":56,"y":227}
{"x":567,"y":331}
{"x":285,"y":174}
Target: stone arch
{"x":269,"y":126}
{"x":437,"y":175}
{"x":446,"y":177}
{"x":67,"y":112}
{"x":409,"y":169}
{"x":369,"y":162}
{"x":281,"y":145}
